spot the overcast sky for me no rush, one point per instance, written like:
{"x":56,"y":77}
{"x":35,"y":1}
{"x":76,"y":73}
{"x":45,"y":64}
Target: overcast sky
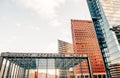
{"x":36,"y":25}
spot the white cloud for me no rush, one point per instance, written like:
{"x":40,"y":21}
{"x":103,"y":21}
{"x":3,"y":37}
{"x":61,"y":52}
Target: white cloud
{"x":18,"y":24}
{"x":3,"y":18}
{"x":35,"y":28}
{"x":55,"y":23}
{"x":28,"y":27}
{"x":11,"y":39}
{"x":46,"y":8}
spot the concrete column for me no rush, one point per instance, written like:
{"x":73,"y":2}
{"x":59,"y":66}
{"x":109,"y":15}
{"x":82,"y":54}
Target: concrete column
{"x":4,"y":69}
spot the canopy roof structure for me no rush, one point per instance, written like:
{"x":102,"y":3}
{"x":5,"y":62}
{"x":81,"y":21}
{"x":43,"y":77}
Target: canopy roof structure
{"x":28,"y":61}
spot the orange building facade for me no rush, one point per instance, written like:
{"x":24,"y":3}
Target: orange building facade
{"x":85,"y":42}
{"x":64,"y":47}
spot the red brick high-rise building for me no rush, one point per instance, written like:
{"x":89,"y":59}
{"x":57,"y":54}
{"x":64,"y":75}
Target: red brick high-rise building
{"x":85,"y":42}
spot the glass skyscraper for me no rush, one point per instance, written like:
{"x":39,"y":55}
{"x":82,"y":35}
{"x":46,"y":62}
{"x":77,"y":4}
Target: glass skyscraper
{"x":105,"y":15}
{"x":111,"y":10}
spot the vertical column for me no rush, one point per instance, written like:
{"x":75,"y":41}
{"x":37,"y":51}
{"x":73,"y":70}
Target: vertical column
{"x":1,"y":61}
{"x":4,"y":69}
{"x":28,"y":73}
{"x":46,"y":67}
{"x":55,"y":69}
{"x":7,"y":66}
{"x":8,"y":71}
{"x":38,"y":69}
{"x":12,"y":71}
{"x":24,"y":72}
{"x":17,"y":76}
{"x":89,"y":67}
{"x":73,"y":68}
{"x":17,"y":72}
{"x":29,"y":65}
{"x":97,"y":76}
{"x":63,"y":70}
{"x":21,"y":73}
{"x":19,"y":64}
{"x":81,"y":68}
{"x":102,"y":76}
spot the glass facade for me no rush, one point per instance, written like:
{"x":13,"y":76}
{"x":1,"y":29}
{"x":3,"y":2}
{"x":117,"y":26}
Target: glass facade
{"x":112,"y":12}
{"x":106,"y":14}
{"x":85,"y":42}
{"x":41,"y":65}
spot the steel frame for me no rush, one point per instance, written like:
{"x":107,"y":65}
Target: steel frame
{"x":20,"y":63}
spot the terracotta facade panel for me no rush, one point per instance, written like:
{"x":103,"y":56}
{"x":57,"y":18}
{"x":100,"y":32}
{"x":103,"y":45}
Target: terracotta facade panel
{"x":85,"y":42}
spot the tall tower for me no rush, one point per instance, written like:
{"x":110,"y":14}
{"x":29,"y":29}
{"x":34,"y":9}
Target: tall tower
{"x":65,"y":47}
{"x":106,"y":14}
{"x":85,"y":42}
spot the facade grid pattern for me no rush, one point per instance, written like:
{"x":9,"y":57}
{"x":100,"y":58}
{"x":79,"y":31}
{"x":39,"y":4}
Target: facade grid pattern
{"x":85,"y":42}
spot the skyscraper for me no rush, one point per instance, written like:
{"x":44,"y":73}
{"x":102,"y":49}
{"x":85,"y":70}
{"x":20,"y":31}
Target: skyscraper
{"x":65,"y":47}
{"x":85,"y":42}
{"x":106,"y":14}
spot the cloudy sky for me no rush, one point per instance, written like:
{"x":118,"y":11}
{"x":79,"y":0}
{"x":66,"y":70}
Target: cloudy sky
{"x":36,"y":25}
